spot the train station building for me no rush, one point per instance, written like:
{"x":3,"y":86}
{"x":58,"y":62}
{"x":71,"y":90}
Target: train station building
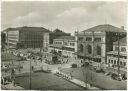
{"x":94,"y":43}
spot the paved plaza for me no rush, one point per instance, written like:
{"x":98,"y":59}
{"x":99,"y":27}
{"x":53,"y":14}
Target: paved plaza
{"x":45,"y":81}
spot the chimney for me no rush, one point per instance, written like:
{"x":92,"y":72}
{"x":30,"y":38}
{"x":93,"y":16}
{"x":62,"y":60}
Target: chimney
{"x":122,"y":27}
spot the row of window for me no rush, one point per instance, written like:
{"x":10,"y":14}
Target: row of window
{"x":120,"y":56}
{"x":13,"y":36}
{"x":13,"y":40}
{"x":72,"y":44}
{"x":122,"y":49}
{"x":69,"y":53}
{"x":116,"y":62}
{"x":89,"y":39}
{"x":34,"y":37}
{"x":57,"y":42}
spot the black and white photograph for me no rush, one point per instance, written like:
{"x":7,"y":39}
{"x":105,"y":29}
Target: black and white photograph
{"x":63,"y":45}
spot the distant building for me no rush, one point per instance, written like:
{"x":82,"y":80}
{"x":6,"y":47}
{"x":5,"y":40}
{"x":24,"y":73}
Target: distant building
{"x":65,"y":45}
{"x":57,"y":33}
{"x":112,"y":56}
{"x":26,"y":37}
{"x":95,"y":42}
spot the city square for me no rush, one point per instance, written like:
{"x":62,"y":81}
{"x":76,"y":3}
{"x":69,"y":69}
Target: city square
{"x":40,"y":58}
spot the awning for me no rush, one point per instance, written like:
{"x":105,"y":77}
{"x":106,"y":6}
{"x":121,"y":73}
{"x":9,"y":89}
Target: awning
{"x":97,"y":56}
{"x":116,"y":53}
{"x":68,"y":49}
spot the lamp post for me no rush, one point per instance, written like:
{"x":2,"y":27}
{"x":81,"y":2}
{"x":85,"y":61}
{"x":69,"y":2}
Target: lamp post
{"x":118,"y":54}
{"x":30,"y":76}
{"x":29,"y":59}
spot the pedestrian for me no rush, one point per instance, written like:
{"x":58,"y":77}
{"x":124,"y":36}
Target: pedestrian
{"x":13,"y":81}
{"x":32,"y":68}
{"x":2,"y":81}
{"x":13,"y":72}
{"x":81,"y":61}
{"x":67,"y":61}
{"x":19,"y":68}
{"x":71,"y":74}
{"x":13,"y":76}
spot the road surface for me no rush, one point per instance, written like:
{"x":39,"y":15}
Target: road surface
{"x":45,"y":81}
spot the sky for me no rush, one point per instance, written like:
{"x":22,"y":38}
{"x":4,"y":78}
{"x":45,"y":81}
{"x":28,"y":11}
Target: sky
{"x":68,"y":16}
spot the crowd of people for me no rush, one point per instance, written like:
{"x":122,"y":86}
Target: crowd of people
{"x":9,"y":79}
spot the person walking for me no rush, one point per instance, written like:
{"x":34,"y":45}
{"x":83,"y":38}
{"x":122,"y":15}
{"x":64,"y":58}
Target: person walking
{"x":2,"y":80}
{"x":13,"y":76}
{"x":71,"y":74}
{"x":32,"y":68}
{"x":67,"y":61}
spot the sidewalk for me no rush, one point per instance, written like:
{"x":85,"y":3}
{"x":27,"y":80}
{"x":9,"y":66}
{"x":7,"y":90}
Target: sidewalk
{"x":74,"y":80}
{"x":11,"y":87}
{"x":115,"y":70}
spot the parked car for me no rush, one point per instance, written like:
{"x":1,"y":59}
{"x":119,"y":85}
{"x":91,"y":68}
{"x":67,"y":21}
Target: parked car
{"x":116,"y":77}
{"x":124,"y":77}
{"x":74,"y":66}
{"x":100,"y":71}
{"x":86,"y":64}
{"x":108,"y":74}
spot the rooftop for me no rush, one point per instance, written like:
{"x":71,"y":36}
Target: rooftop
{"x":24,"y":28}
{"x":67,"y":37}
{"x":59,"y":32}
{"x":106,"y":28}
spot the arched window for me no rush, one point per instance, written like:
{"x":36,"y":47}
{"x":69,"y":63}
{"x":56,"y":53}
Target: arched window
{"x":89,"y":48}
{"x":114,"y":61}
{"x":124,"y":63}
{"x":98,"y":50}
{"x":81,"y":48}
{"x":120,"y":63}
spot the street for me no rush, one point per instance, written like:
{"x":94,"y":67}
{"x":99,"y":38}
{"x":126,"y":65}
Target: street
{"x":96,"y":79}
{"x":45,"y":81}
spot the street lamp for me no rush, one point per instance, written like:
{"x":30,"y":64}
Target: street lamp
{"x":118,"y":55}
{"x":30,"y":72}
{"x":30,"y":76}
